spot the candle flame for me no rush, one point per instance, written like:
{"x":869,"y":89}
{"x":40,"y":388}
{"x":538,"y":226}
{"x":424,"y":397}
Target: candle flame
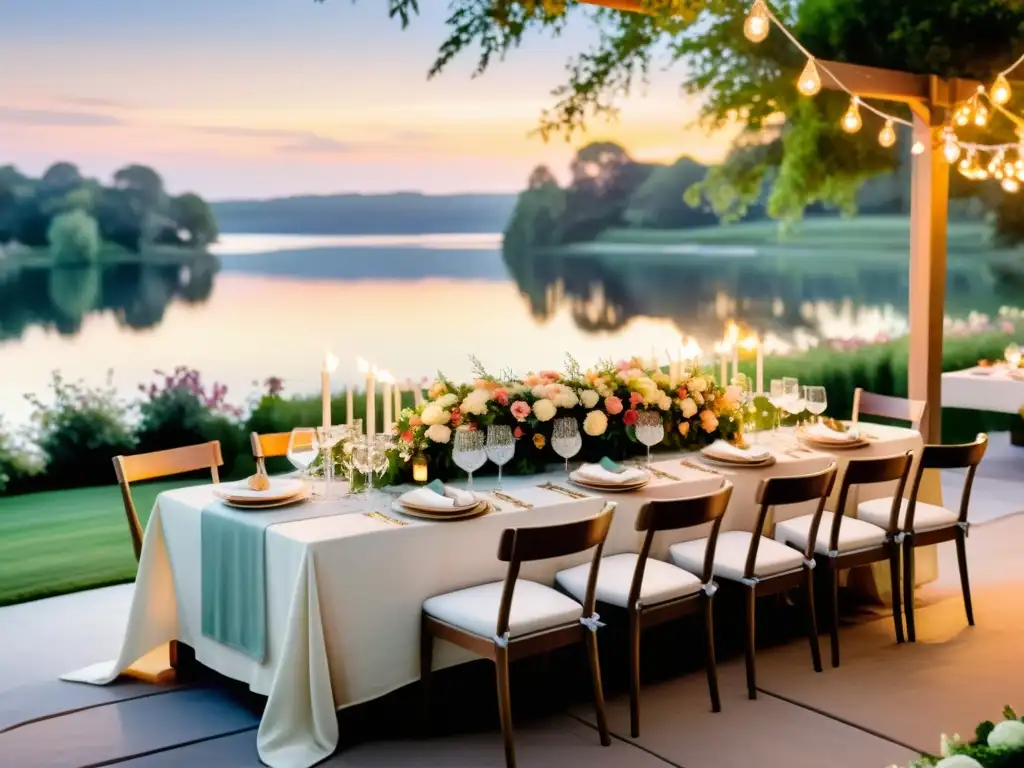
{"x":732,"y":335}
{"x":330,"y":362}
{"x":750,"y":342}
{"x":692,"y":350}
{"x":386,"y":377}
{"x":364,"y":366}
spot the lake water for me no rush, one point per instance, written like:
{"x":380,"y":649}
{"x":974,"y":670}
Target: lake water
{"x":414,"y":304}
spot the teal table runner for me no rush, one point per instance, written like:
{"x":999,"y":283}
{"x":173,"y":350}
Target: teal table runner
{"x":234,"y":590}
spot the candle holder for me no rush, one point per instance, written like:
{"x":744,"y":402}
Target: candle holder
{"x":420,"y":473}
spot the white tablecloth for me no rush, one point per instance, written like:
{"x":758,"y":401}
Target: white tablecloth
{"x":983,"y":389}
{"x":344,"y":592}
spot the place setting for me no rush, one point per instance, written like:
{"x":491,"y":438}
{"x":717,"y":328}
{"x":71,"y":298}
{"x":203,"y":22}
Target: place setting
{"x":262,"y":492}
{"x":610,"y":477}
{"x":439,"y":502}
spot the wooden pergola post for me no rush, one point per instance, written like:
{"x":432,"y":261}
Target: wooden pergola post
{"x":928,"y":97}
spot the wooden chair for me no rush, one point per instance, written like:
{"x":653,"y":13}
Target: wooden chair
{"x":147,"y":466}
{"x":846,"y":542}
{"x":654,"y":592}
{"x":921,"y":524}
{"x":888,"y":407}
{"x":268,"y":446}
{"x":505,"y":621}
{"x":764,"y":566}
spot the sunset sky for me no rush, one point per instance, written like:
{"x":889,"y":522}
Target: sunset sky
{"x":258,"y":98}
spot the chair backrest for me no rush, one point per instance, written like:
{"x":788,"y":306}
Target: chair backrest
{"x":147,"y":466}
{"x":519,"y":545}
{"x":673,"y":514}
{"x":792,"y":489}
{"x":964,"y":455}
{"x":864,"y":472}
{"x":268,"y":445}
{"x":888,"y":407}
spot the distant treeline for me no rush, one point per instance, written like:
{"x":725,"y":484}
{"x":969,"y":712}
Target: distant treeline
{"x":75,"y":216}
{"x":352,"y":214}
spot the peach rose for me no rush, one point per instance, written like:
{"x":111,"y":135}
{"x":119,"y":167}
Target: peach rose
{"x":501,"y":396}
{"x":613,"y":405}
{"x":521,"y":410}
{"x":708,"y":421}
{"x":415,"y":421}
{"x":684,"y":428}
{"x":539,"y":442}
{"x":635,"y":399}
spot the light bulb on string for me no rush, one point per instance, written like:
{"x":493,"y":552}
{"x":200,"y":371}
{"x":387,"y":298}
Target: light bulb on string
{"x":1010,"y":185}
{"x":951,"y":150}
{"x":887,"y":136}
{"x":851,"y":122}
{"x":758,"y":23}
{"x":809,"y":82}
{"x":963,"y":115}
{"x":981,"y":117}
{"x":1000,"y":91}
{"x":917,"y":148}
{"x":967,"y":163}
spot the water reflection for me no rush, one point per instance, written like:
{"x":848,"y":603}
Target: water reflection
{"x":60,"y":298}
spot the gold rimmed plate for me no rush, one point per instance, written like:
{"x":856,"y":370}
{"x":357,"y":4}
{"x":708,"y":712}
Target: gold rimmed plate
{"x":480,"y":508}
{"x":766,"y":462}
{"x":837,"y":443}
{"x":272,"y":504}
{"x":596,"y":485}
{"x":240,"y":492}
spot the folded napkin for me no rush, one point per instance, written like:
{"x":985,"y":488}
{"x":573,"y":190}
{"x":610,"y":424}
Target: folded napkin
{"x":720,"y":449}
{"x":826,"y":433}
{"x":611,"y":466}
{"x":438,"y":496}
{"x":599,"y":474}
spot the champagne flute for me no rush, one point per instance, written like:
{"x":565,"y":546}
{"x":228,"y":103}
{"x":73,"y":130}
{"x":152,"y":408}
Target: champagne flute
{"x":777,"y":397}
{"x":790,"y":395}
{"x":303,"y":448}
{"x":362,"y":459}
{"x":379,"y":457}
{"x":501,"y":446}
{"x":817,"y":401}
{"x":650,"y":430}
{"x":469,"y":452}
{"x":566,"y":439}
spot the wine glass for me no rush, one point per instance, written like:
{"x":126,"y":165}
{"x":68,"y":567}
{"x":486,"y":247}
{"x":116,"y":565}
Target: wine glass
{"x":379,"y":454}
{"x":501,"y":447}
{"x":817,"y":400}
{"x":469,"y":452}
{"x":791,"y":395}
{"x":650,"y":430}
{"x":362,"y":459}
{"x":777,"y":397}
{"x":566,"y":439}
{"x":303,"y":448}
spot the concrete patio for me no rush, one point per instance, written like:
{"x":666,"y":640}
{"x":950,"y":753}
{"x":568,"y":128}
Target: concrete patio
{"x":885,"y":704}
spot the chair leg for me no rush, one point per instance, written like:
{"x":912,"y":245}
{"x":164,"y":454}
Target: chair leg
{"x":426,"y":678}
{"x":833,"y":573}
{"x":595,"y":678}
{"x":908,"y":588}
{"x":751,"y":620}
{"x":812,"y":621}
{"x":894,"y":587}
{"x":965,"y":584}
{"x":505,"y":705}
{"x":634,"y":673}
{"x":709,"y":654}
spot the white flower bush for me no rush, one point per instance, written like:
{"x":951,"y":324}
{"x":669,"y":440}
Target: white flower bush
{"x":1008,"y":734}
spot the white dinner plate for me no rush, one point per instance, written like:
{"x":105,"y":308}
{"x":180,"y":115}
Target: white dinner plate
{"x":258,"y":505}
{"x":766,"y":462}
{"x":456,"y":508}
{"x":281,"y":488}
{"x":480,"y":508}
{"x":586,"y":482}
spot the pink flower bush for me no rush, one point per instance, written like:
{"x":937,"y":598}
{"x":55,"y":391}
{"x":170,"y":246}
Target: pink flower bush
{"x":520,"y":410}
{"x":613,"y":405}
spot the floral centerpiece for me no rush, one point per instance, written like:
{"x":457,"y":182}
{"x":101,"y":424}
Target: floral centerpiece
{"x":606,"y":400}
{"x":995,"y":745}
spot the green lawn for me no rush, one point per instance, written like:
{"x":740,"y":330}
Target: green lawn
{"x":63,"y":541}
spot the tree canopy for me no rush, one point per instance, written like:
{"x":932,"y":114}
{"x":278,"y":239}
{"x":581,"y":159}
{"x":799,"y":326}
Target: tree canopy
{"x":805,"y":155}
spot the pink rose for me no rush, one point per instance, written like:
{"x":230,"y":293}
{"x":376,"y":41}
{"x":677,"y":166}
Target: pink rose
{"x":532,"y":380}
{"x":635,"y":399}
{"x":681,"y":393}
{"x":708,"y":421}
{"x":521,"y":410}
{"x":415,"y":421}
{"x":550,"y":376}
{"x":473,"y":426}
{"x":630,"y":417}
{"x":407,"y":436}
{"x":501,"y":396}
{"x":613,"y":405}
{"x":456,"y":417}
{"x":517,"y":432}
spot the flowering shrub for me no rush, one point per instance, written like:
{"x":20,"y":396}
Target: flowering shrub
{"x":180,"y":410}
{"x":605,"y":401}
{"x":995,"y":745}
{"x":79,"y":432}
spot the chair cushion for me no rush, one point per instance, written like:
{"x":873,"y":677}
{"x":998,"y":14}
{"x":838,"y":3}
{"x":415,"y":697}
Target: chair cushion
{"x":926,"y":516}
{"x":731,"y":556}
{"x":534,"y":608}
{"x":854,"y":534}
{"x":662,"y":581}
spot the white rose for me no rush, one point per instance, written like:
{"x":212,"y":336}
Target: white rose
{"x":439,"y":433}
{"x":665,"y":402}
{"x":661,"y":379}
{"x":544,"y":410}
{"x":447,"y":401}
{"x":541,"y":390}
{"x":565,"y":398}
{"x":1008,"y":734}
{"x":698,"y":399}
{"x":958,"y":761}
{"x":476,"y":402}
{"x":435,"y":414}
{"x":689,"y":408}
{"x":595,"y":424}
{"x":589,"y":398}
{"x":604,"y":390}
{"x":697,"y":384}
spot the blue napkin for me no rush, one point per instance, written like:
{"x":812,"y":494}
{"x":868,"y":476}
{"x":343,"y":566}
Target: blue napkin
{"x":436,"y":486}
{"x":611,"y":466}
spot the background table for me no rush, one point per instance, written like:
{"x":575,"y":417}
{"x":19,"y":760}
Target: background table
{"x":344,"y":592}
{"x":983,"y":389}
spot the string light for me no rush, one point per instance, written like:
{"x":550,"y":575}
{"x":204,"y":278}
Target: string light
{"x":1000,"y":91}
{"x":951,"y":150}
{"x":757,"y":25}
{"x":810,"y":81}
{"x":917,"y":149}
{"x":887,"y":136}
{"x":1010,"y":185}
{"x":851,"y":120}
{"x":981,"y":116}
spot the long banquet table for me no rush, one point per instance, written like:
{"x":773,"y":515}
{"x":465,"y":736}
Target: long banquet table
{"x":993,"y":388}
{"x":344,"y":591}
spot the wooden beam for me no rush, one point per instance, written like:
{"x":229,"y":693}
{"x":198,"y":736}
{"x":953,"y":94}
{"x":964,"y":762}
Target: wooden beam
{"x":874,"y":83}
